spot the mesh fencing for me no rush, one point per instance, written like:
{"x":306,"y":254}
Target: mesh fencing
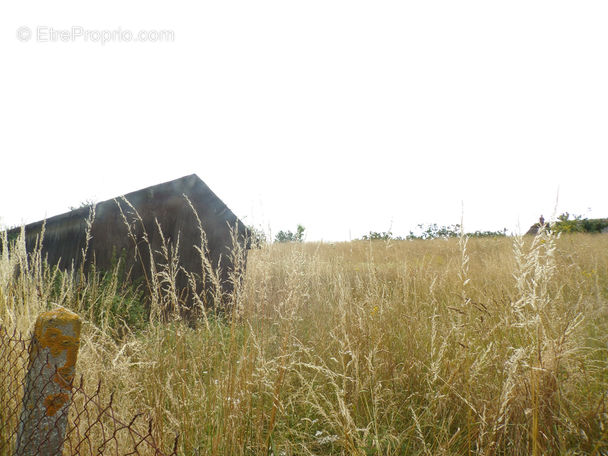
{"x":93,"y":426}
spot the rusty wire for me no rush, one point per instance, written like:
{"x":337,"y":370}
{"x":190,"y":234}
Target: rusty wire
{"x":93,"y":429}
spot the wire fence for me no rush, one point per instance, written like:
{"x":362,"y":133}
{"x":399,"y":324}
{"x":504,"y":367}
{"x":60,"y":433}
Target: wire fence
{"x":93,"y":426}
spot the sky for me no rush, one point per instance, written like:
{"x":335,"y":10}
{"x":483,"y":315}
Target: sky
{"x":342,"y":116}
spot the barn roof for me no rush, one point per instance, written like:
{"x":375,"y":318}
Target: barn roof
{"x":190,"y":185}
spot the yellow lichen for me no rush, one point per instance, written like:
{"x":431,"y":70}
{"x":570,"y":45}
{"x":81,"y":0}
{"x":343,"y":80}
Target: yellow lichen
{"x":53,"y":402}
{"x":49,"y":334}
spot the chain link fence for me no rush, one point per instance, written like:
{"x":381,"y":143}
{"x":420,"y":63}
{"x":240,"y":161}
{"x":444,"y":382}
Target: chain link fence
{"x":93,"y":426}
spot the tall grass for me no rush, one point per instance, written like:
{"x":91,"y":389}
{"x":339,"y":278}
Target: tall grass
{"x":461,"y":346}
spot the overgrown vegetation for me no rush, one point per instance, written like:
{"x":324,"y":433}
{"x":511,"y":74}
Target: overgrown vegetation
{"x":577,"y":224}
{"x":289,"y":236}
{"x":381,"y":236}
{"x":257,"y":237}
{"x":89,"y":202}
{"x":432,"y":231}
{"x":487,"y":346}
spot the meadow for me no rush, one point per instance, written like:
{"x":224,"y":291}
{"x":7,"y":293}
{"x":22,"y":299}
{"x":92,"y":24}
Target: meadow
{"x":489,"y":346}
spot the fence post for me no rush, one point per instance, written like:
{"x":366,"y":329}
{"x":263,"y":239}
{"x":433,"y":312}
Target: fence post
{"x":48,"y":393}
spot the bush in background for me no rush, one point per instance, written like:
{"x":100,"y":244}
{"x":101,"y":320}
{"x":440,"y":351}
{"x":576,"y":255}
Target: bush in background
{"x":288,"y":236}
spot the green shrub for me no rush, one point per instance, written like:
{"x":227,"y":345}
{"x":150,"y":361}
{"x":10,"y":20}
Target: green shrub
{"x":288,"y":236}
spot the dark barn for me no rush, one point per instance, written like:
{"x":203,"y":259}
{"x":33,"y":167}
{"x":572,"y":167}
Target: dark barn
{"x":122,"y":223}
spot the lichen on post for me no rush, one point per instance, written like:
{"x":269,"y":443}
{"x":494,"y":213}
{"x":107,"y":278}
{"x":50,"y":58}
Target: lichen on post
{"x":48,"y":385}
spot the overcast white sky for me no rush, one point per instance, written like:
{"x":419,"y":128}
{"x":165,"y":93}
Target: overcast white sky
{"x":344,"y":116}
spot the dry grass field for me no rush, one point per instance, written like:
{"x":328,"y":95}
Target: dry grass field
{"x":441,"y":347}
